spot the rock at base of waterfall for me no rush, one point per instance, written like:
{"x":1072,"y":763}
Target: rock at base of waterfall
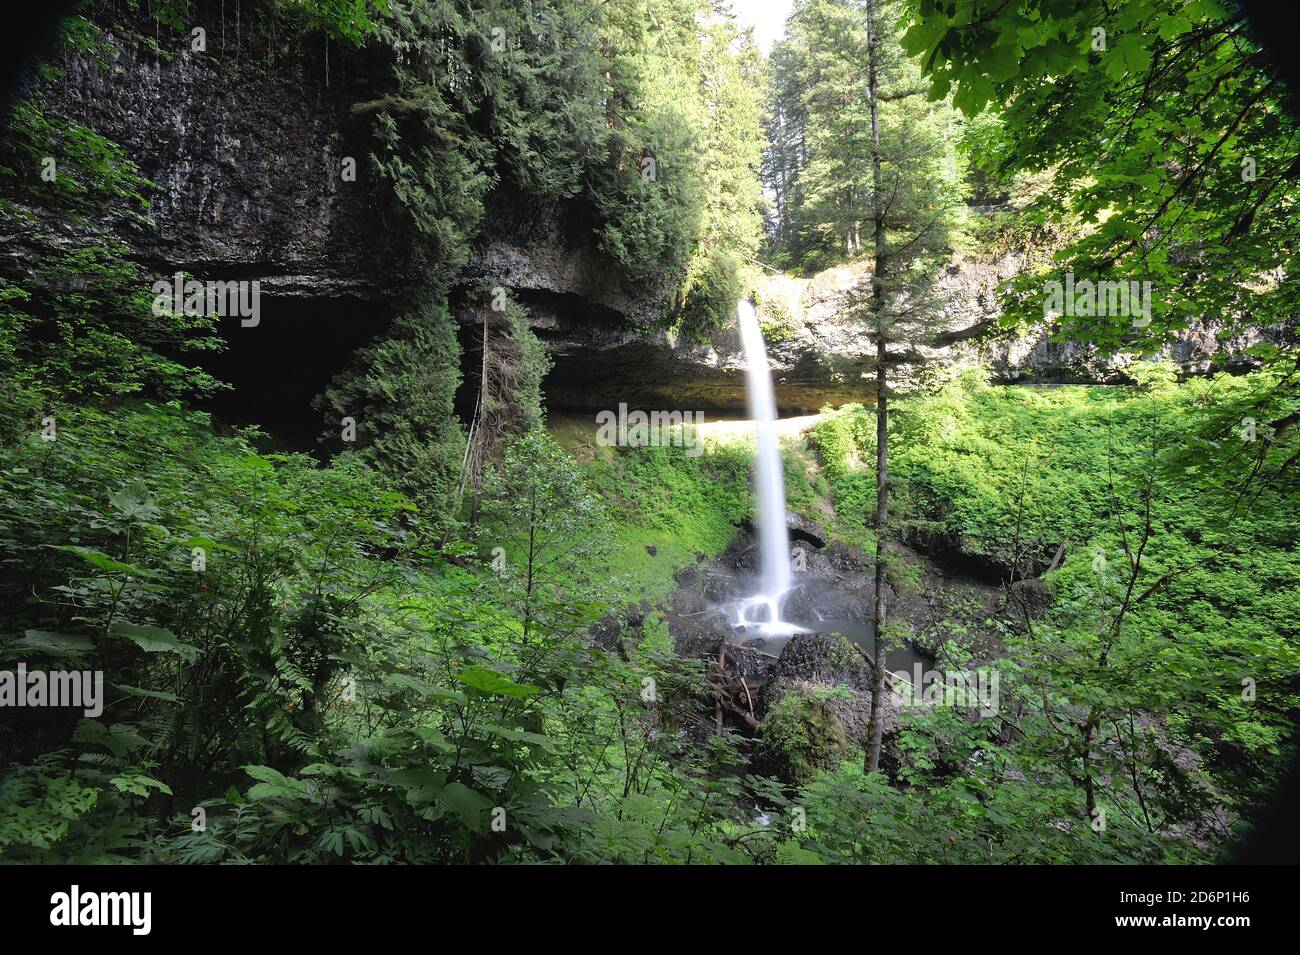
{"x":803,"y":528}
{"x":828,"y":664}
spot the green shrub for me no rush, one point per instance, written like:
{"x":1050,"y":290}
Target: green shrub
{"x":800,"y":736}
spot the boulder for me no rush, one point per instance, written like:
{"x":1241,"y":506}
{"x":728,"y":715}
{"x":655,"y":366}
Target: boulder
{"x":825,"y":658}
{"x":805,"y":529}
{"x":801,"y":735}
{"x":851,"y":707}
{"x":817,"y":708}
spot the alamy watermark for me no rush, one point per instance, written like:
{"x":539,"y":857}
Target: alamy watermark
{"x":182,"y":296}
{"x":655,"y":429}
{"x":1086,"y":298}
{"x":971,"y":689}
{"x":129,"y":909}
{"x":74,"y":688}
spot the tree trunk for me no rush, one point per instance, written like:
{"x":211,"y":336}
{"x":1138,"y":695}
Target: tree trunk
{"x":882,"y":518}
{"x":481,"y":431}
{"x":876,"y":725}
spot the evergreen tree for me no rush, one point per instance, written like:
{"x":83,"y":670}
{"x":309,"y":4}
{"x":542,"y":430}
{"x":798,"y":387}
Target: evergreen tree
{"x":512,"y":363}
{"x":731,"y":229}
{"x":784,"y":122}
{"x":399,"y":394}
{"x":649,"y":191}
{"x":1164,"y":133}
{"x":909,"y":213}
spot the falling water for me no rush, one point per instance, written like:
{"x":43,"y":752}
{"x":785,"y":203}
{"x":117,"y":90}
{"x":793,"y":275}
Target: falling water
{"x":764,"y":608}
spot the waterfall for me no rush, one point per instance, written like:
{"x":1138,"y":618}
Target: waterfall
{"x":769,"y":479}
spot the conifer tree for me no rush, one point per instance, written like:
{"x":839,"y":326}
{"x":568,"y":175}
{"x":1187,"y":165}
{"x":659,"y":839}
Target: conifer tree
{"x":863,"y":167}
{"x":909,"y":212}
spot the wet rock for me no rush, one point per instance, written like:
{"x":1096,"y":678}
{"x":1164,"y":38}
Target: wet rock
{"x":606,"y":633}
{"x":852,"y":708}
{"x":825,"y":658}
{"x":689,"y":577}
{"x":248,"y":163}
{"x":801,"y":529}
{"x":805,"y":529}
{"x":717,"y":585}
{"x":824,"y":672}
{"x":754,"y":666}
{"x":848,"y":557}
{"x":701,"y":636}
{"x":799,"y":604}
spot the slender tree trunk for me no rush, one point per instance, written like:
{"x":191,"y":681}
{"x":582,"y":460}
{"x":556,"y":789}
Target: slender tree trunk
{"x":481,"y":433}
{"x":882,"y":519}
{"x":875,"y":727}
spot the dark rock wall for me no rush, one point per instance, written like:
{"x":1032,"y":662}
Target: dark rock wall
{"x":247,"y":153}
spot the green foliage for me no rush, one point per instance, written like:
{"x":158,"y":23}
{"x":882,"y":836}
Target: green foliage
{"x":844,"y":442}
{"x":315,"y":693}
{"x":987,"y":817}
{"x":351,"y":21}
{"x":400,"y":392}
{"x":779,"y":308}
{"x":425,"y":147}
{"x":519,"y":361}
{"x":824,"y":162}
{"x":799,"y":736}
{"x":286,"y":660}
{"x":322,"y":698}
{"x":638,"y":119}
{"x":680,"y":506}
{"x":217,"y":599}
{"x":80,"y":323}
{"x":731,"y":87}
{"x":512,"y":362}
{"x":649,"y":192}
{"x":1168,"y":149}
{"x":1170,"y":625}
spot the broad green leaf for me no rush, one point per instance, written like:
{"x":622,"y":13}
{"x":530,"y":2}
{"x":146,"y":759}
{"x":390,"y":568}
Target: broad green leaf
{"x":147,"y":694}
{"x":119,"y":739}
{"x":273,"y":785}
{"x":1129,"y":56}
{"x":465,"y":803}
{"x":138,"y":784}
{"x":154,"y":640}
{"x":57,"y":644}
{"x":405,"y":682}
{"x":487,"y":680}
{"x":100,"y":560}
{"x":518,"y":736}
{"x":422,"y":784}
{"x":1002,"y":61}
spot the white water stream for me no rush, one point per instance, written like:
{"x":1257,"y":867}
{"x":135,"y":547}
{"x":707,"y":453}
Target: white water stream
{"x":761,"y":612}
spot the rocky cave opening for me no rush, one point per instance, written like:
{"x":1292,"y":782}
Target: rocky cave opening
{"x":278,"y":367}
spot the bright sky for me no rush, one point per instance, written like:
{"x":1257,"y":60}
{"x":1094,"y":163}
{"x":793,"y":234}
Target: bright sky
{"x":767,"y":17}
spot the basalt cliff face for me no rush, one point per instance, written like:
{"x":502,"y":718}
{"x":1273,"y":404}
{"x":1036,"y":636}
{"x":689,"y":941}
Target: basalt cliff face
{"x":248,"y":151}
{"x":818,"y":353}
{"x":247,"y":156}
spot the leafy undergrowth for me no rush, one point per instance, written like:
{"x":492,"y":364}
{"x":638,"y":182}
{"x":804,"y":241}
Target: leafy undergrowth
{"x":1162,"y":678}
{"x":669,"y":508}
{"x":294,"y":674}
